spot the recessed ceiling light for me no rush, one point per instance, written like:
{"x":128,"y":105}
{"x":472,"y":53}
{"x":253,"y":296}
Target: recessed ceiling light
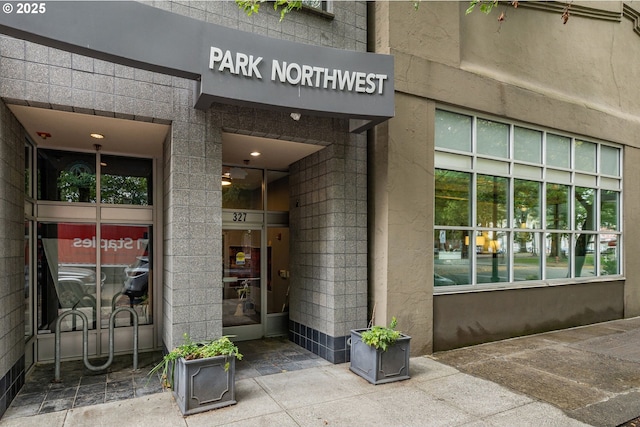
{"x":97,"y":135}
{"x":255,"y":153}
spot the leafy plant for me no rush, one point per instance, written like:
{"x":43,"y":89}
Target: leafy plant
{"x":381,"y":337}
{"x":191,"y":350}
{"x":485,"y":5}
{"x":285,"y":6}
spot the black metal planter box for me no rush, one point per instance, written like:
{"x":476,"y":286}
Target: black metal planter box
{"x":377,"y":366}
{"x":204,"y":384}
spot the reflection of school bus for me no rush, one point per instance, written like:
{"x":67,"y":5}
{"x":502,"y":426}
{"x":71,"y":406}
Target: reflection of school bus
{"x":485,"y":244}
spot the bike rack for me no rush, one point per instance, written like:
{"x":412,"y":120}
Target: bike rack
{"x":85,"y":339}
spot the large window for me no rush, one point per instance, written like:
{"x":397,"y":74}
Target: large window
{"x":516,"y":203}
{"x":103,"y":260}
{"x":65,"y":176}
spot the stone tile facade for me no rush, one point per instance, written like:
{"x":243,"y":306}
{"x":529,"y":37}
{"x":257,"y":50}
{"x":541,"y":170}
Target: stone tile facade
{"x":12,"y":369}
{"x":329,"y":224}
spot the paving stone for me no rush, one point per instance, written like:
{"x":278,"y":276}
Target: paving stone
{"x":561,"y":392}
{"x":535,"y":414}
{"x":591,"y":369}
{"x":580,"y":334}
{"x":623,"y":346}
{"x":476,"y":396}
{"x":612,"y":412}
{"x":399,"y":408}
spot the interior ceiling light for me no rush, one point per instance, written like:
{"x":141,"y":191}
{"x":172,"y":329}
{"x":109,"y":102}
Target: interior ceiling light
{"x":255,"y":153}
{"x":44,"y":135}
{"x":97,"y":135}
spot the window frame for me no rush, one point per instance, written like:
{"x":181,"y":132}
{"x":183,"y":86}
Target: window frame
{"x":513,"y":170}
{"x":325,"y":9}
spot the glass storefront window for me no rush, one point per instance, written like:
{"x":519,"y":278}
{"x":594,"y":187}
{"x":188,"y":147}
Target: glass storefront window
{"x":610,"y":160}
{"x":609,"y":210}
{"x":526,"y":256}
{"x":585,"y":208}
{"x":126,"y":264}
{"x":527,"y":145}
{"x":537,"y":221}
{"x":492,"y":257}
{"x":492,"y":194}
{"x":609,"y":257}
{"x":66,"y":274}
{"x":557,"y":207}
{"x":558,"y":255}
{"x":28,"y":323}
{"x":125,"y":180}
{"x":585,"y":156}
{"x":66,"y":176}
{"x":558,"y":151}
{"x":453,"y":131}
{"x":452,"y":262}
{"x":493,"y":138}
{"x":526,"y":204}
{"x":244,"y":188}
{"x":453,"y":198}
{"x":585,"y":253}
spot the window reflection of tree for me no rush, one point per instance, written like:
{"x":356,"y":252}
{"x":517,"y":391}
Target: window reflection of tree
{"x":452,"y":194}
{"x":557,"y":214}
{"x":584,"y":220}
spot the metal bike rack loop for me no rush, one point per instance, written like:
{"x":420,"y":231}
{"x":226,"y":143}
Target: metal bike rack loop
{"x":85,"y":339}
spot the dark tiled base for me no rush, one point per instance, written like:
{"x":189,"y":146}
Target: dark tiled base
{"x":79,"y":386}
{"x":273,"y":356}
{"x":333,"y":349}
{"x":10,"y":385}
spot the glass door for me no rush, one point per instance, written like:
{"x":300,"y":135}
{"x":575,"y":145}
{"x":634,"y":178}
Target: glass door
{"x":255,"y":252}
{"x":277,"y":281}
{"x":242,"y":280}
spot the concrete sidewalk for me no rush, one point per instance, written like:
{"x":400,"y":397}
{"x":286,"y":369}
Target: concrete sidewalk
{"x":592,"y":372}
{"x":436,"y":395}
{"x":577,"y":377}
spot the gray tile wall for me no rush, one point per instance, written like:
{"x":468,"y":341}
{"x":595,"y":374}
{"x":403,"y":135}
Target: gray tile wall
{"x":11,"y":257}
{"x":76,"y":83}
{"x":346,"y":29}
{"x":329,"y":241}
{"x":192,"y":226}
{"x":333,"y":273}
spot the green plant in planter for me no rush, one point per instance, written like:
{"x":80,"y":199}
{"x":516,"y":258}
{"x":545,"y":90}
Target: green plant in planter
{"x":191,"y":350}
{"x":381,"y":337}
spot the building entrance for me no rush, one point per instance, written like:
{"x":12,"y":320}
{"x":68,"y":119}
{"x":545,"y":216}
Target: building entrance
{"x":255,"y":253}
{"x":255,"y":235}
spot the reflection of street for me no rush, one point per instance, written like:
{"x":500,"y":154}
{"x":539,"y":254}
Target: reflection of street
{"x":494,"y":269}
{"x":113,"y":297}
